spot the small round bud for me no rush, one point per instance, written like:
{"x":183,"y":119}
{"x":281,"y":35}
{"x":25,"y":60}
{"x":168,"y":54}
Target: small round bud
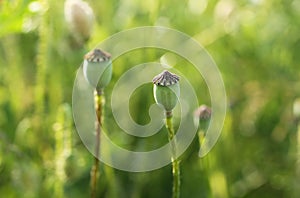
{"x":166,"y":90}
{"x":97,"y":68}
{"x":202,"y":116}
{"x":203,"y":112}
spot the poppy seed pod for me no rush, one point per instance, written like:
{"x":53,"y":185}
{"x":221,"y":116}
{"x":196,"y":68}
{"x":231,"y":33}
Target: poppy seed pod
{"x":166,"y":90}
{"x":97,"y":68}
{"x":202,"y":116}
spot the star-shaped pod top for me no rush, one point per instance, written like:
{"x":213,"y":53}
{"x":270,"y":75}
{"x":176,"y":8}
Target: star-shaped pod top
{"x":165,"y":78}
{"x":97,"y":55}
{"x":166,"y":90}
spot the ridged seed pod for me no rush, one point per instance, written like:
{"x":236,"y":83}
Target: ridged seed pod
{"x":97,"y":68}
{"x":166,"y":90}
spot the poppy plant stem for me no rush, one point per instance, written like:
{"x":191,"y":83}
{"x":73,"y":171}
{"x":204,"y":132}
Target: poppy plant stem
{"x":99,"y":104}
{"x":175,"y":161}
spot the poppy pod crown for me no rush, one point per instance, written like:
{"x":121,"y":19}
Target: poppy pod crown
{"x":97,"y":68}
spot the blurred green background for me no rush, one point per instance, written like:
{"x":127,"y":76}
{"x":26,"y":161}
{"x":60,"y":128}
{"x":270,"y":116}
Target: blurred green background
{"x":255,"y":45}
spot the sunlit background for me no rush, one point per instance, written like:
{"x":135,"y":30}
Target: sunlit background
{"x":255,"y":44}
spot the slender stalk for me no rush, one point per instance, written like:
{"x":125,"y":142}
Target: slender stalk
{"x":42,"y":62}
{"x":63,"y":147}
{"x":297,"y":190}
{"x":99,"y":104}
{"x":175,"y":161}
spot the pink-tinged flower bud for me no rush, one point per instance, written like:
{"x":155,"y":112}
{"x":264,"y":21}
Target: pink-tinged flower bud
{"x":203,"y":112}
{"x":202,"y":116}
{"x":80,"y":19}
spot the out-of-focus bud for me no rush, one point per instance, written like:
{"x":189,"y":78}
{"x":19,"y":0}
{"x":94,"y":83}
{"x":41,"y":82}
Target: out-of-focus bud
{"x":202,"y":116}
{"x":80,"y":19}
{"x":97,"y":68}
{"x":203,"y":112}
{"x":296,"y":109}
{"x":166,"y":90}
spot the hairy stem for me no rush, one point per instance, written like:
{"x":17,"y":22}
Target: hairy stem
{"x":175,"y":161}
{"x":297,"y":190}
{"x":99,"y":104}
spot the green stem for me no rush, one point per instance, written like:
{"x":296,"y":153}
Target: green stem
{"x":297,"y":190}
{"x":175,"y":161}
{"x":99,"y":104}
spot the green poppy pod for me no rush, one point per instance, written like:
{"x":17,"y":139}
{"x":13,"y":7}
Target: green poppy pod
{"x":202,"y":116}
{"x":166,"y":90}
{"x":97,"y":68}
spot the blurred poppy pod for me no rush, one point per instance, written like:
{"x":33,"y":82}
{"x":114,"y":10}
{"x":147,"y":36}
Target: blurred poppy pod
{"x":80,"y":19}
{"x":166,"y":90}
{"x":202,"y":116}
{"x":296,"y":108}
{"x":97,"y":68}
{"x":203,"y":112}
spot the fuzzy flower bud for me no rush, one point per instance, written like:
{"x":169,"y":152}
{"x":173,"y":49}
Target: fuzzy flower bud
{"x":97,"y":68}
{"x":296,"y":108}
{"x":166,"y":90}
{"x":80,"y":19}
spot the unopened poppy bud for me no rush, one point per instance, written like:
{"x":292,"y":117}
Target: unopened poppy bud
{"x":203,"y":112}
{"x":97,"y":68}
{"x":166,"y":90}
{"x":202,"y":116}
